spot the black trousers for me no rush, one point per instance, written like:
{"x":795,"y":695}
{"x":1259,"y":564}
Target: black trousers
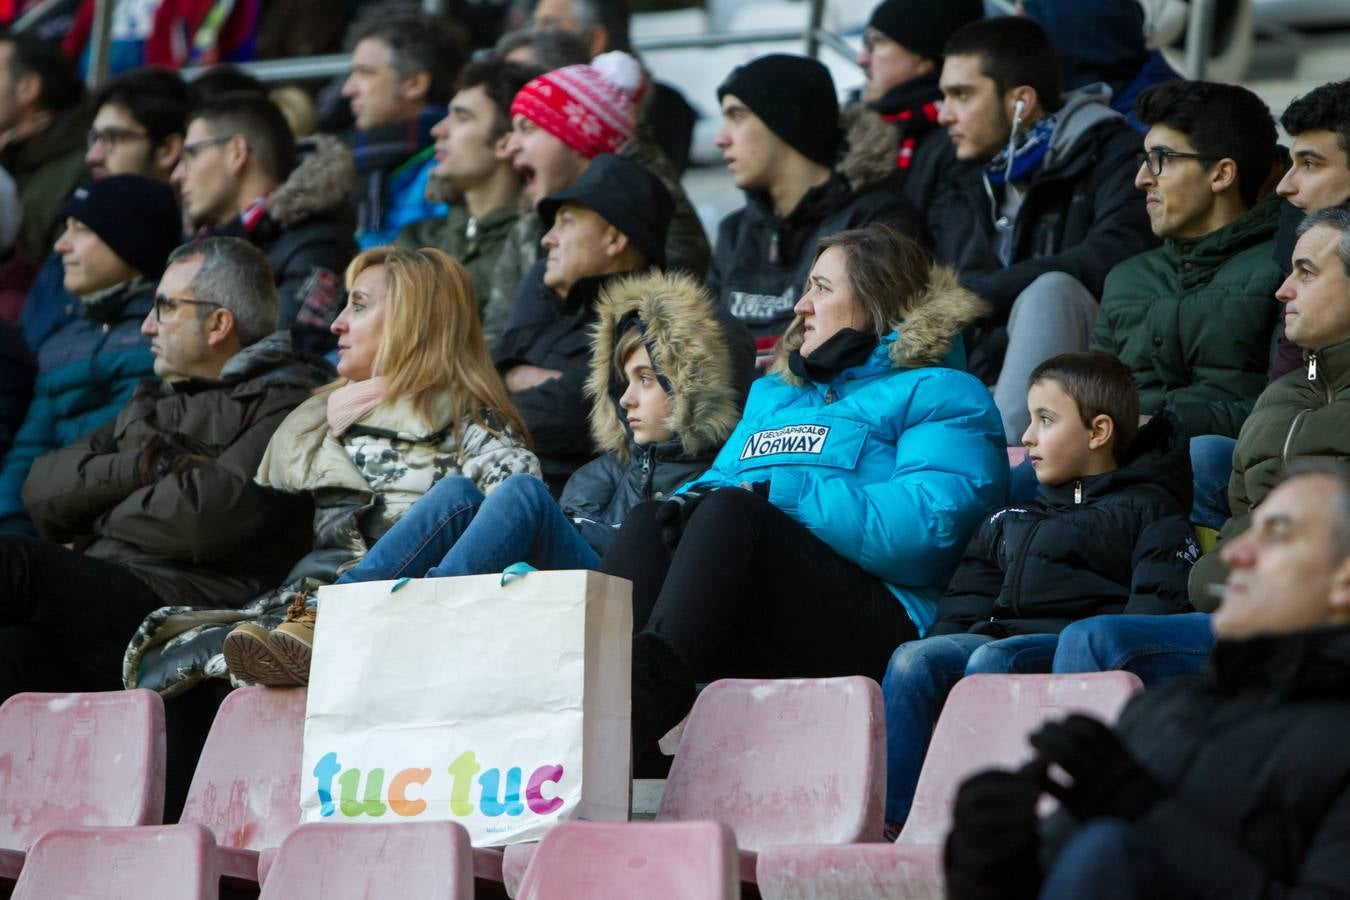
{"x":65,"y":618}
{"x":750,"y":591}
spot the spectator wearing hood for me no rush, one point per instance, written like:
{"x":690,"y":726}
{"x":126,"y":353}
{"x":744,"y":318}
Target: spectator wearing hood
{"x":902,"y":57}
{"x":119,"y":231}
{"x":1046,"y":208}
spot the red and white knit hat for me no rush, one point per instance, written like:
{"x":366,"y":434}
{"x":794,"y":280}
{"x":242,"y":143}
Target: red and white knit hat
{"x":589,"y":108}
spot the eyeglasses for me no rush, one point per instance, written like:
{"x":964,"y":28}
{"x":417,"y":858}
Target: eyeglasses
{"x":110,"y":137}
{"x":190,"y":151}
{"x":871,"y":38}
{"x":1157,"y":155}
{"x":166,"y":306}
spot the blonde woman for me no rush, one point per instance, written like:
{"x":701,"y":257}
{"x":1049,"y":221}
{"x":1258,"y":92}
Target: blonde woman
{"x":417,"y":400}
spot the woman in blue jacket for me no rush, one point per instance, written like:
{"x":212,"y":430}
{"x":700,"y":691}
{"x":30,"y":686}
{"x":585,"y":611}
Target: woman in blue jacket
{"x":829,"y":523}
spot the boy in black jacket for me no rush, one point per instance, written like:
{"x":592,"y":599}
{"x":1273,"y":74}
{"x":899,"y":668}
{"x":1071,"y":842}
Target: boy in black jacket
{"x":1108,"y":534}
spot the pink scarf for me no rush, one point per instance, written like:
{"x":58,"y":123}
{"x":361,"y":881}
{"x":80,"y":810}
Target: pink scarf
{"x":350,"y":403}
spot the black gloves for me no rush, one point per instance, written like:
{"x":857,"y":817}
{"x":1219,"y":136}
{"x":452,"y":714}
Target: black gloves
{"x":993,"y":849}
{"x":162,"y":456}
{"x":1107,"y":780}
{"x":673,"y":515}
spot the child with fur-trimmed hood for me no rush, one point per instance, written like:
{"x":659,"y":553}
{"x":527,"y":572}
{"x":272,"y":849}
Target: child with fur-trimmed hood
{"x":663,"y":384}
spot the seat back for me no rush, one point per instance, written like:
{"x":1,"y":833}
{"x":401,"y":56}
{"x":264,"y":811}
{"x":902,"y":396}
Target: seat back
{"x":424,"y":860}
{"x":246,"y":787}
{"x":620,"y":860}
{"x":790,"y":761}
{"x":79,"y":759}
{"x":985,"y":724}
{"x":165,"y":862}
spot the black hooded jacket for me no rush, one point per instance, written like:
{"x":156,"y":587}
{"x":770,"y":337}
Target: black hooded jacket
{"x":1119,"y":542}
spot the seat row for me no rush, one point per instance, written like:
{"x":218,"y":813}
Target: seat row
{"x":785,"y":779}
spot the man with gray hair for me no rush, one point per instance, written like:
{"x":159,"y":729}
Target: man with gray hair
{"x":161,"y":503}
{"x":1232,"y":784}
{"x":1303,"y":415}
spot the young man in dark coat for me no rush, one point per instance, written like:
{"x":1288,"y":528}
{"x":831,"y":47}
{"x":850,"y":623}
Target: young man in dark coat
{"x":1107,"y":534}
{"x":1234,"y":784}
{"x":1193,"y":318}
{"x":161,"y":502}
{"x":901,"y":57}
{"x":1045,"y":209}
{"x":781,"y":139}
{"x":238,"y":178}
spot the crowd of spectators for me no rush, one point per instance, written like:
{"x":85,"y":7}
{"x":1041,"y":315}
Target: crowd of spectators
{"x":455,"y":311}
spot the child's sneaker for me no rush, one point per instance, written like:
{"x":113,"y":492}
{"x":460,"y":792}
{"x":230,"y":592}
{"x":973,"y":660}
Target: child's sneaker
{"x":251,"y":660}
{"x":292,"y":642}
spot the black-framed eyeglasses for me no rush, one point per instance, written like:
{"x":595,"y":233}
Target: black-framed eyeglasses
{"x":190,"y":151}
{"x":166,"y":306}
{"x":112,"y":136}
{"x":871,"y":37}
{"x":1158,"y":155}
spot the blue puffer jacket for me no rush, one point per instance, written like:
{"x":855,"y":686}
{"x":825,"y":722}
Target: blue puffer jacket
{"x":86,"y":372}
{"x":894,"y":464}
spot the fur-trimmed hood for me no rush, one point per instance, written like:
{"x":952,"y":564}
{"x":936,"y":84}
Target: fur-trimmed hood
{"x":689,"y":348}
{"x":870,"y":157}
{"x":317,"y":185}
{"x":926,"y":335}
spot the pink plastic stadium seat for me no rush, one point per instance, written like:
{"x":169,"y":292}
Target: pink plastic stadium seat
{"x":246,"y":788}
{"x":619,"y":861}
{"x":70,"y":760}
{"x":782,"y":761}
{"x":402,"y":860}
{"x":163,"y":862}
{"x":983,"y":725}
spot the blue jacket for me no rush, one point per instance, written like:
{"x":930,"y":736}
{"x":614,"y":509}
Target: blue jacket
{"x":86,"y":373}
{"x":16,"y":383}
{"x":894,"y":464}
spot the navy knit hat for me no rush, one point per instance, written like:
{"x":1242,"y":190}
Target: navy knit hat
{"x":137,"y":217}
{"x":924,"y":26}
{"x":626,"y":196}
{"x":795,"y":97}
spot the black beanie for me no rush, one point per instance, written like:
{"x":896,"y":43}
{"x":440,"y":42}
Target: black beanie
{"x":137,"y":217}
{"x":795,"y":97}
{"x":626,"y":196}
{"x":924,"y":26}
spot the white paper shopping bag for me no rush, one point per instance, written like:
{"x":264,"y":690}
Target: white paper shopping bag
{"x":504,"y":707}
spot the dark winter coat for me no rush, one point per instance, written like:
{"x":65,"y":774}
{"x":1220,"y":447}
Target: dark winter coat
{"x":1193,"y":321}
{"x":306,"y":234}
{"x":1252,"y":756}
{"x":925,"y":160}
{"x":208,"y":536}
{"x":86,"y":373}
{"x":762,"y":259}
{"x":1120,"y":542}
{"x":16,"y":383}
{"x":477,"y":252}
{"x":46,"y":167}
{"x":1080,"y":214}
{"x":1304,"y":415}
{"x":687,"y":345}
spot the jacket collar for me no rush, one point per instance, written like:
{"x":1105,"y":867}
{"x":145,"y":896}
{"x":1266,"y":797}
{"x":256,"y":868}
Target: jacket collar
{"x":1307,"y":664}
{"x":909,"y":96}
{"x":1195,"y":259}
{"x":1333,"y":365}
{"x":110,"y":305}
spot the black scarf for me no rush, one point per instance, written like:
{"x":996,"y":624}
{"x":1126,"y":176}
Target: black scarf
{"x":845,"y":349}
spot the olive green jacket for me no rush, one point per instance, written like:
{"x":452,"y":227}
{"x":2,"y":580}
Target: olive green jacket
{"x":476,"y":247}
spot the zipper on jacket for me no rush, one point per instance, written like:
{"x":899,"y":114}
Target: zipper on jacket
{"x":1289,"y":438}
{"x":1312,"y":365}
{"x":1077,"y":492}
{"x":773,"y":247}
{"x":646,"y":486}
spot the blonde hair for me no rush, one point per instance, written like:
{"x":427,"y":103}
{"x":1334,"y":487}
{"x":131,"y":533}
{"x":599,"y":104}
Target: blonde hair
{"x":432,"y":340}
{"x":887,"y":272}
{"x":626,"y":346}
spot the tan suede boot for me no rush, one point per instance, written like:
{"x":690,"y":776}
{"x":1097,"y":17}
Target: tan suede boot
{"x":292,"y":642}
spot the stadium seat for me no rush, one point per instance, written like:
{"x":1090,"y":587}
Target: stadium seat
{"x":781,"y":761}
{"x":422,"y":860}
{"x":622,"y":860}
{"x":246,"y":788}
{"x":983,"y":725}
{"x":69,"y":760}
{"x":161,"y":862}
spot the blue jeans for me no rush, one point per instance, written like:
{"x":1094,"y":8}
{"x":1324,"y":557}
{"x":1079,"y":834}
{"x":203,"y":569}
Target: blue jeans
{"x":1211,"y":469}
{"x":455,"y":530}
{"x":1155,"y":648}
{"x":1108,"y":859}
{"x":920,"y":675}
